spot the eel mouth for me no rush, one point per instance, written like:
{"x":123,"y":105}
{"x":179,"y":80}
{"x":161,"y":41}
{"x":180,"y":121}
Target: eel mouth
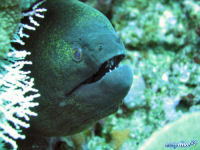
{"x":106,"y":67}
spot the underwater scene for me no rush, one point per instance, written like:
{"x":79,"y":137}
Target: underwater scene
{"x":99,"y":74}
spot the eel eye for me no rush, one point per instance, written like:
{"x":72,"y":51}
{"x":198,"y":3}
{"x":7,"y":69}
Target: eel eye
{"x":77,"y":54}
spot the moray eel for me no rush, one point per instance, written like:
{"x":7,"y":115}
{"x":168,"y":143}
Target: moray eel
{"x":76,"y":54}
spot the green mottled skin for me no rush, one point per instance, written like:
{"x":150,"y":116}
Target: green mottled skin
{"x":68,"y":106}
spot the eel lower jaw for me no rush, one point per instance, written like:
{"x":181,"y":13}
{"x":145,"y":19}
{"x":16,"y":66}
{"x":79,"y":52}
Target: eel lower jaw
{"x":110,"y":90}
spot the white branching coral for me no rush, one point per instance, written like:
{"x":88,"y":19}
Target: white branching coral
{"x":16,"y":87}
{"x":30,"y":14}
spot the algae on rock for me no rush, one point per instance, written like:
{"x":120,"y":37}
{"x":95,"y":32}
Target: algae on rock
{"x":10,"y":16}
{"x":182,"y":133}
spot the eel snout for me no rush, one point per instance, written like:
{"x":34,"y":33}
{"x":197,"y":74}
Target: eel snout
{"x":106,"y":67}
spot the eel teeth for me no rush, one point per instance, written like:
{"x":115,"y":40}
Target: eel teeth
{"x":106,"y":67}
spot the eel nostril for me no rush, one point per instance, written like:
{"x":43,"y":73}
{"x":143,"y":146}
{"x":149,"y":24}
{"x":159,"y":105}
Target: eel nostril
{"x":100,"y":47}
